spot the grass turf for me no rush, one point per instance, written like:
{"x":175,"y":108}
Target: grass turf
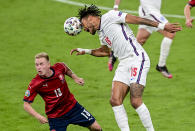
{"x":32,"y":26}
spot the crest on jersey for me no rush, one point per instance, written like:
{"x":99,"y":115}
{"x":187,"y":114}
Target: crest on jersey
{"x":120,"y":13}
{"x":27,"y":93}
{"x":162,"y":18}
{"x":61,"y":77}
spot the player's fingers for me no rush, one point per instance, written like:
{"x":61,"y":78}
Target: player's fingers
{"x":80,"y":53}
{"x":81,"y":83}
{"x":45,"y":122}
{"x":73,"y":50}
{"x":189,"y":25}
{"x":177,"y":27}
{"x":175,"y":23}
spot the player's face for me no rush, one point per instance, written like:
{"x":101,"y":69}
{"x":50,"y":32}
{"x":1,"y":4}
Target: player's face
{"x":43,"y":67}
{"x":89,"y":25}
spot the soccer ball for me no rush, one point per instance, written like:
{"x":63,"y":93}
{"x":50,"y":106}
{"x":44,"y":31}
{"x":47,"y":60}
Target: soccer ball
{"x":72,"y":26}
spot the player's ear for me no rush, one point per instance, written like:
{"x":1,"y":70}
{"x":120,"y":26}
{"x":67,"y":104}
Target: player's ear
{"x":49,"y":63}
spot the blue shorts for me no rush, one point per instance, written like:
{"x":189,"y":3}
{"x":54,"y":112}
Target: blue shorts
{"x":77,"y":116}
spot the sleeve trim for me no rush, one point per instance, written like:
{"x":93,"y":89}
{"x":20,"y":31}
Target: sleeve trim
{"x":27,"y":101}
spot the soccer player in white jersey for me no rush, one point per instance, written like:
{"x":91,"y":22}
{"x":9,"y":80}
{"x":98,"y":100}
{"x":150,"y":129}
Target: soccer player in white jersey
{"x":150,"y":9}
{"x":134,"y":64}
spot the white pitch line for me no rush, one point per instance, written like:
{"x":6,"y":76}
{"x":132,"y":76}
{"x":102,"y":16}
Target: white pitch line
{"x":107,"y":8}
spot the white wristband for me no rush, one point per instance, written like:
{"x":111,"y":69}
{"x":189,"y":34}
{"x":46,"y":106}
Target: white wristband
{"x":115,"y":7}
{"x":87,"y":51}
{"x":161,"y":26}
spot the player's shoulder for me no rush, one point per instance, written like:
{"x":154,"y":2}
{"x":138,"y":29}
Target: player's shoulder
{"x":114,"y":14}
{"x":36,"y":81}
{"x":111,"y":11}
{"x":59,"y":65}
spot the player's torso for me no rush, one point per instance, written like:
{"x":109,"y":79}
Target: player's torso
{"x":117,"y":37}
{"x":57,"y":97}
{"x":53,"y":87}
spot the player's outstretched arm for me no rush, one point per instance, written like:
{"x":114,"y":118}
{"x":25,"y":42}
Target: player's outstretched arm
{"x":77,"y":79}
{"x":99,"y":52}
{"x":28,"y":108}
{"x":187,"y":14}
{"x":170,"y":27}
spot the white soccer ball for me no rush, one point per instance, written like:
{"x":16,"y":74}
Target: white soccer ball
{"x":72,"y":26}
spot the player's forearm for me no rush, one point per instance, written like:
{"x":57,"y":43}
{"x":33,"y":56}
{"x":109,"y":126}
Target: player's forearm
{"x":148,"y":22}
{"x":28,"y":108}
{"x":99,"y":53}
{"x":74,"y":76}
{"x":70,"y":73}
{"x":117,"y":2}
{"x":187,"y":12}
{"x":130,"y":19}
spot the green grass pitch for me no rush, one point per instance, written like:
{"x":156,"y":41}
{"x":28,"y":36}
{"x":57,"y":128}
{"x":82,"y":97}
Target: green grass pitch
{"x":28,"y":27}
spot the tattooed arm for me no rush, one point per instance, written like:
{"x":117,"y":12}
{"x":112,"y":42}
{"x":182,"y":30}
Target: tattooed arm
{"x":170,"y":27}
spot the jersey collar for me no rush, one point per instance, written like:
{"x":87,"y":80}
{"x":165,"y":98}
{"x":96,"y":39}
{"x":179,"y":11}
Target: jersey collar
{"x":49,"y":76}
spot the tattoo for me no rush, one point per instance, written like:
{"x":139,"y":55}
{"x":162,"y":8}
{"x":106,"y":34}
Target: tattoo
{"x":148,"y":22}
{"x":136,"y":90}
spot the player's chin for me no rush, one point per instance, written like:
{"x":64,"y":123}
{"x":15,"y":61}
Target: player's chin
{"x":40,"y":73}
{"x":93,"y":33}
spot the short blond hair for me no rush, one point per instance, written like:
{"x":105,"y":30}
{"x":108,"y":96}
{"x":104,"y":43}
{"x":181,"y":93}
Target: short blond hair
{"x":42,"y":55}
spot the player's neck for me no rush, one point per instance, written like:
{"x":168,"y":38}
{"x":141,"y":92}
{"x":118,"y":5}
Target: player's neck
{"x":99,"y":23}
{"x":48,"y":74}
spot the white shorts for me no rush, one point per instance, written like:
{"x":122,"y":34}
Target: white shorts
{"x":155,"y":16}
{"x":133,"y":70}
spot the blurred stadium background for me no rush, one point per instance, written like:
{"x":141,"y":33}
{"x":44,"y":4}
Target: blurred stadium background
{"x":28,"y":27}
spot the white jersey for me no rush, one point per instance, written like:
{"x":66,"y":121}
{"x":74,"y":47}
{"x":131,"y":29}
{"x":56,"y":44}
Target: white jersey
{"x":151,"y":5}
{"x":117,"y":35}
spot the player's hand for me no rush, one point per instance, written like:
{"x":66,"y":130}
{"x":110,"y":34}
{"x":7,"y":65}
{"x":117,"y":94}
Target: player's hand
{"x":42,"y":119}
{"x":172,"y":27}
{"x":78,"y":52}
{"x":189,"y":23}
{"x":79,"y":81}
